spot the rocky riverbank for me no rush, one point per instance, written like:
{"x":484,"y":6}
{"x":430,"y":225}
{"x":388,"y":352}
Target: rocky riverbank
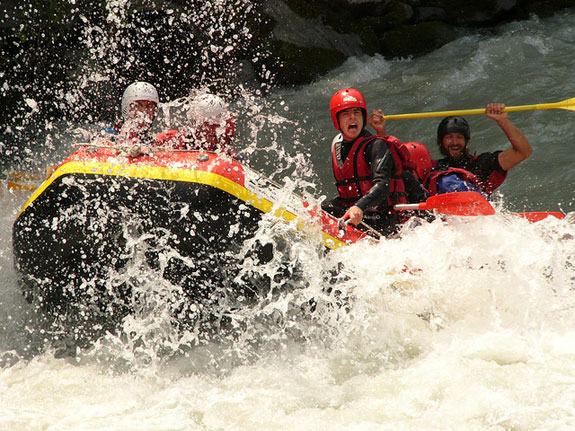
{"x":74,"y":57}
{"x":311,"y":37}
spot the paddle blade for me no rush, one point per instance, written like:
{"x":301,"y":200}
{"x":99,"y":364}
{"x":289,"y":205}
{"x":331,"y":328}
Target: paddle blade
{"x":568,"y":104}
{"x":22,"y":181}
{"x":460,"y":203}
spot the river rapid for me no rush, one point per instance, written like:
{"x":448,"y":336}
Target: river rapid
{"x":465,"y":325}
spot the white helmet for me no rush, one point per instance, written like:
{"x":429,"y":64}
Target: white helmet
{"x":138,"y":91}
{"x":208,"y":108}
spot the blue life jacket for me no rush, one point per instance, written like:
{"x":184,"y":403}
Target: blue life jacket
{"x":110,"y":130}
{"x":452,"y":183}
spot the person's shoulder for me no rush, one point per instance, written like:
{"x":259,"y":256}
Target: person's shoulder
{"x":489,"y":159}
{"x":391,"y":141}
{"x":381,"y":140}
{"x":485,"y":158}
{"x":390,"y":138}
{"x":440,"y":165}
{"x":486,"y":163}
{"x":486,"y":154}
{"x":374,"y":142}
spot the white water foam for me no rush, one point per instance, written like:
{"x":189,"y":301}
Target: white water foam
{"x":464,"y":325}
{"x":472,"y":331}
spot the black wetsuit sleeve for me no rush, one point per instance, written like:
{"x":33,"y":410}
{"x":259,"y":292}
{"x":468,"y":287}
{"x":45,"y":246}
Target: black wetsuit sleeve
{"x":381,"y":163}
{"x":414,"y":189}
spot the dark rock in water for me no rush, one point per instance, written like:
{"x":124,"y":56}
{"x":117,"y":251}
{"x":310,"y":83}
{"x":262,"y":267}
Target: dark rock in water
{"x":392,"y":28}
{"x":429,"y":14}
{"x":417,"y":39}
{"x":309,"y":32}
{"x":299,"y":63}
{"x":72,"y":60}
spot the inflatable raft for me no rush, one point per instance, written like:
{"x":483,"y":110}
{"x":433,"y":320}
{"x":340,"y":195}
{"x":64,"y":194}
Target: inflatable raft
{"x":102,"y":215}
{"x":189,"y":213}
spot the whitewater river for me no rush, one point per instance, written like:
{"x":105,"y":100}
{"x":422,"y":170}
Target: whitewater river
{"x":466,"y":325}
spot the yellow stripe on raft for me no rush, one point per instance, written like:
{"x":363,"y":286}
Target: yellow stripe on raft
{"x":175,"y":174}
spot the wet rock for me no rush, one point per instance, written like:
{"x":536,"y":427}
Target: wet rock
{"x":418,"y":39}
{"x":392,"y":28}
{"x":304,"y":46}
{"x":309,"y":32}
{"x":429,"y":14}
{"x":476,"y":12}
{"x":299,"y":64}
{"x":398,"y":14}
{"x":83,"y":49}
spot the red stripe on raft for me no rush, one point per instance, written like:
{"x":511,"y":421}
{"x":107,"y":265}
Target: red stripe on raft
{"x":535,"y":216}
{"x":192,"y":160}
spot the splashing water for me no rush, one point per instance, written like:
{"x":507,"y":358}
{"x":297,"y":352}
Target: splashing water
{"x":460,"y":324}
{"x":105,"y":51}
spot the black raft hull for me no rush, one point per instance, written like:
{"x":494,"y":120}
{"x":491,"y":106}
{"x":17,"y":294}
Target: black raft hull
{"x":102,"y":223}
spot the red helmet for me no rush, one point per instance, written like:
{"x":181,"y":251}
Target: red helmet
{"x":416,"y":157}
{"x":344,"y":99}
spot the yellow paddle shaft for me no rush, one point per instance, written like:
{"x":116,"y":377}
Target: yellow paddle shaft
{"x":566,"y":104}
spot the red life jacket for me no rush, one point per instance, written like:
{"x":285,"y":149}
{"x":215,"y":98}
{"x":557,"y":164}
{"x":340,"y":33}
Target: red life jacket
{"x":354,"y":178}
{"x":206,"y":137}
{"x":494,"y":180}
{"x":430,"y":181}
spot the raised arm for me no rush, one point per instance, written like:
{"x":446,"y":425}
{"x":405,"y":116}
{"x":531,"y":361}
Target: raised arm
{"x":377,"y":121}
{"x":520,"y":147}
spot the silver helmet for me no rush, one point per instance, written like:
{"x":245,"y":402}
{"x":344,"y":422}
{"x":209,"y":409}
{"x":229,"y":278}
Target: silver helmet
{"x":138,"y":91}
{"x":208,"y":108}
